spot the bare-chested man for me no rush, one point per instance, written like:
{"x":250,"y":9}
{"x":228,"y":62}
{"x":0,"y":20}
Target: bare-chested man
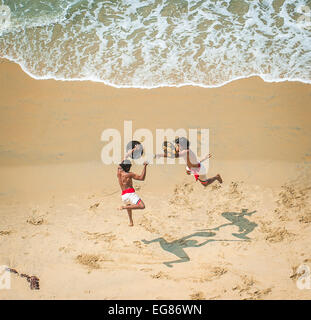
{"x":129,"y":195}
{"x":194,"y":166}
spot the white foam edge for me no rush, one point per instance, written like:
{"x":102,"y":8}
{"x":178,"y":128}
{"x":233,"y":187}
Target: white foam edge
{"x":193,"y":84}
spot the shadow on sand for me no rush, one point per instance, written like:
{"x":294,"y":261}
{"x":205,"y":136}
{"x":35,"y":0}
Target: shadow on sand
{"x":177,"y":247}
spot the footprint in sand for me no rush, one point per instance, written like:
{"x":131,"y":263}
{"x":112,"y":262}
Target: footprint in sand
{"x":297,"y":272}
{"x":233,"y":192}
{"x":5,"y":233}
{"x":216,"y":272}
{"x":147,"y":225}
{"x":160,"y":275}
{"x":259,"y":294}
{"x":65,"y":249}
{"x":212,"y":274}
{"x":197,"y":296}
{"x":94,"y":206}
{"x":305,"y":218}
{"x":293,"y":199}
{"x":181,"y":195}
{"x":138,"y":244}
{"x":91,"y":261}
{"x":245,"y":286}
{"x":249,"y":288}
{"x":36,"y":221}
{"x":216,"y":186}
{"x":278,"y":235}
{"x":108,"y":236}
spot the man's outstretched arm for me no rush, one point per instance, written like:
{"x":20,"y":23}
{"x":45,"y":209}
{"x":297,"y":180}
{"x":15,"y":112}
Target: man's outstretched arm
{"x":160,"y":155}
{"x":128,"y":154}
{"x":206,"y":157}
{"x":142,"y":176}
{"x":176,"y":154}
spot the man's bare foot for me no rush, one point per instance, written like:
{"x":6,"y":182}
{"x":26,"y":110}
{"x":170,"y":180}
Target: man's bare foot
{"x":219,"y":178}
{"x":131,"y":224}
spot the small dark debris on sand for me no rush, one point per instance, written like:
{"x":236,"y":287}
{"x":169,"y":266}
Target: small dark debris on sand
{"x":94,"y":206}
{"x":33,"y":280}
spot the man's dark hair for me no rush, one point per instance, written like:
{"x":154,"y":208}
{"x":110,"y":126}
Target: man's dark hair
{"x":183,"y":143}
{"x":126,"y":165}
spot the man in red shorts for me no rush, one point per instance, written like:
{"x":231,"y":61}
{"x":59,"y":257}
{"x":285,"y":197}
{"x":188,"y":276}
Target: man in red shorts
{"x":125,"y":178}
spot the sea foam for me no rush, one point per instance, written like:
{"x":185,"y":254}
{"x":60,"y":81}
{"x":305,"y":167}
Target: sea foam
{"x":148,"y":44}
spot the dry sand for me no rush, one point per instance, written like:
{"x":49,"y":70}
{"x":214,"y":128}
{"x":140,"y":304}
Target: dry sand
{"x":58,"y":217}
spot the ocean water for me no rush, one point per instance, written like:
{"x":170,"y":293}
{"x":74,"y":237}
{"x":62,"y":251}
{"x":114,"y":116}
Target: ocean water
{"x":153,"y":43}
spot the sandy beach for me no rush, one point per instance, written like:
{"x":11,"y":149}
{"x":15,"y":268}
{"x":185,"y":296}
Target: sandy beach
{"x":243,"y":239}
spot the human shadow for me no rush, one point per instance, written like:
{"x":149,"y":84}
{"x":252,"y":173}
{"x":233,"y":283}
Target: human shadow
{"x":177,"y":247}
{"x":238,"y":219}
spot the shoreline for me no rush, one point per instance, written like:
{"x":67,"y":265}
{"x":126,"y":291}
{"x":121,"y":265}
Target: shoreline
{"x":263,"y":77}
